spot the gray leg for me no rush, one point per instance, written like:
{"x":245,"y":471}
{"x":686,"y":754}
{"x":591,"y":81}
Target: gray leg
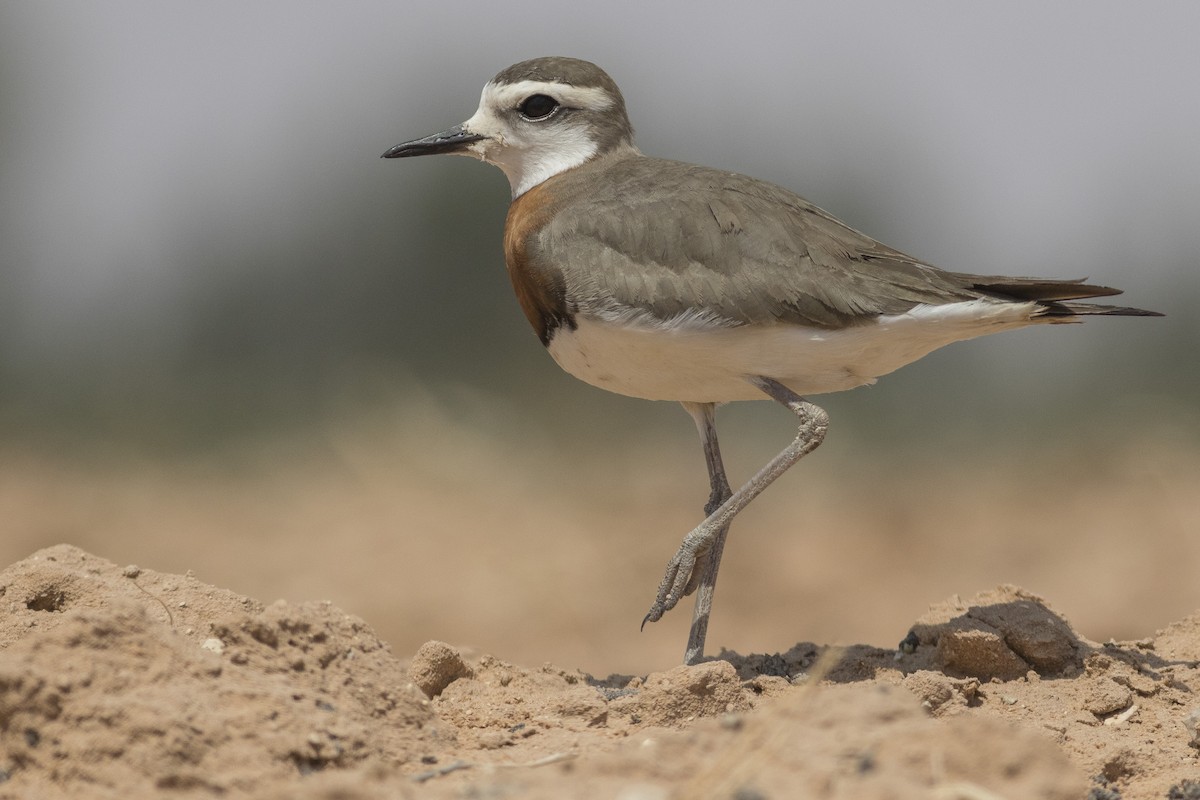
{"x":704,"y":573}
{"x":700,"y":551}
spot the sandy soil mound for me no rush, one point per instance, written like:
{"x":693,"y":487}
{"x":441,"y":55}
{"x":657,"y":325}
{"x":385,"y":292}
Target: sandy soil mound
{"x":123,"y":682}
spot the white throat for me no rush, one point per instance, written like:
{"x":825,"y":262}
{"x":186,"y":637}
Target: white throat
{"x":527,"y":169}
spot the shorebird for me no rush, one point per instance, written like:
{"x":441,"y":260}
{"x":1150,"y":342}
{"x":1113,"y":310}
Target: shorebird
{"x":670,"y":281}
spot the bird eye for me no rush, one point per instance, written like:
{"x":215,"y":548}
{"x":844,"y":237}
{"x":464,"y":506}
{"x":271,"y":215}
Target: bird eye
{"x":538,"y":106}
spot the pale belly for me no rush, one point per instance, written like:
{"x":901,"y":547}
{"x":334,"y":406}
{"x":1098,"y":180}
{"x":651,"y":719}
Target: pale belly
{"x":712,"y":364}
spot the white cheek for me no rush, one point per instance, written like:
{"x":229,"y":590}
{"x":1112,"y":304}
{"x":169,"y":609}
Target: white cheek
{"x":530,"y":153}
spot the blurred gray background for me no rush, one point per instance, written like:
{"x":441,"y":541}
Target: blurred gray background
{"x":198,"y":240}
{"x":202,"y":256}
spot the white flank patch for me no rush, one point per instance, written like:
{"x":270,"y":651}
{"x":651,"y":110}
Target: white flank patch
{"x":530,"y":152}
{"x":702,"y":361}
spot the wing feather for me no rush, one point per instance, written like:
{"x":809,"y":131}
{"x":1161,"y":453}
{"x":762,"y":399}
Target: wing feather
{"x":663,"y":239}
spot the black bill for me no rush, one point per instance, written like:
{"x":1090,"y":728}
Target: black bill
{"x":452,"y":140}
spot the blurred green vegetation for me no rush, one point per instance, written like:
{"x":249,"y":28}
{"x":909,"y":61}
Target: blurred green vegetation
{"x":354,"y":286}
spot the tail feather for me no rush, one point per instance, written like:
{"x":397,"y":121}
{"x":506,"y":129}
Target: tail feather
{"x":1069,"y":310}
{"x":1054,"y":295}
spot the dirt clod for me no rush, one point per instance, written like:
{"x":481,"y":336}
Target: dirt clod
{"x":970,"y":647}
{"x":1001,"y":634}
{"x":683,"y":694}
{"x":941,"y":694}
{"x":435,"y":666}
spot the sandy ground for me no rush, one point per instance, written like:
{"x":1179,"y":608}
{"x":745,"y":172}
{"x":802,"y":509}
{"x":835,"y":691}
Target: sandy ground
{"x":148,"y":681}
{"x":119,"y":681}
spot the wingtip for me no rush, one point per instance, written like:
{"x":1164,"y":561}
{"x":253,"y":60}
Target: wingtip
{"x":1067,"y":311}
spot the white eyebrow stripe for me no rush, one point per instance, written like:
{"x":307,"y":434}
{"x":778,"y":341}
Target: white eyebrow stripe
{"x":510,"y":95}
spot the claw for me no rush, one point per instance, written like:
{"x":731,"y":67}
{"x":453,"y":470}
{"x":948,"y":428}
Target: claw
{"x":679,"y":580}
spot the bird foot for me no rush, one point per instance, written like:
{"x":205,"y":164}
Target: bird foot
{"x":683,"y":572}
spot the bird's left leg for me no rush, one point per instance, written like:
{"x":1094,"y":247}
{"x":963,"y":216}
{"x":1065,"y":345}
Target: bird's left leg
{"x":703,"y":579}
{"x":679,"y":578}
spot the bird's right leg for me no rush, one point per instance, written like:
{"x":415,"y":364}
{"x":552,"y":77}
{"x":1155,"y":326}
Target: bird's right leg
{"x":678,"y":579}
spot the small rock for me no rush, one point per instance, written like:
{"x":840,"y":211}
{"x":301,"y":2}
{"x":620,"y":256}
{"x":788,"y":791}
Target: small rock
{"x":1106,"y":697}
{"x":435,"y":666}
{"x":1035,"y":633}
{"x":975,"y":649}
{"x":213,"y":646}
